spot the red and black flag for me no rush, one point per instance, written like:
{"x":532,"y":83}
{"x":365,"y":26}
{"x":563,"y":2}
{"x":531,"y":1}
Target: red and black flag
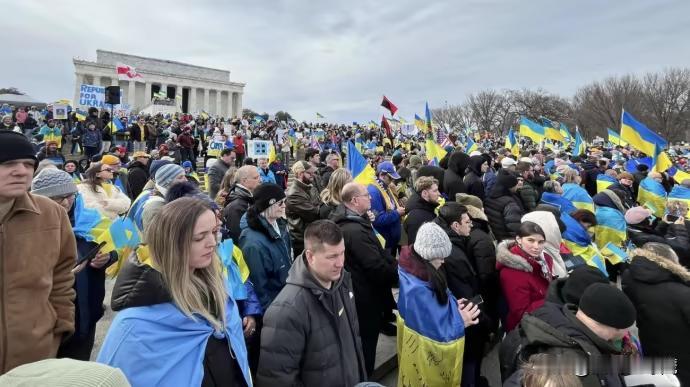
{"x":386,"y":126}
{"x":389,"y":105}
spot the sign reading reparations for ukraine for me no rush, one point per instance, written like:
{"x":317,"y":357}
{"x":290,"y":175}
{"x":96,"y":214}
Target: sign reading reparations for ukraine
{"x":91,"y":96}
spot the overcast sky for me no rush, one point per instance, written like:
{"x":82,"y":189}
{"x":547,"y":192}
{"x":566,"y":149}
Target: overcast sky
{"x":340,"y":57}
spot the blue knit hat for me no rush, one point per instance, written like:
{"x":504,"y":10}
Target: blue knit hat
{"x":167,"y":174}
{"x":155,"y":164}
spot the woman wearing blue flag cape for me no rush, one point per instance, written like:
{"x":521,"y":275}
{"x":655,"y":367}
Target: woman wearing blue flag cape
{"x":553,"y":196}
{"x":574,"y":192}
{"x":177,"y":324}
{"x":431,"y":323}
{"x":611,"y":228}
{"x":578,"y":238}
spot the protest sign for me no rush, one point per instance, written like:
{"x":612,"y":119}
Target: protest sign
{"x":258,"y":149}
{"x":91,"y":96}
{"x":60,"y":112}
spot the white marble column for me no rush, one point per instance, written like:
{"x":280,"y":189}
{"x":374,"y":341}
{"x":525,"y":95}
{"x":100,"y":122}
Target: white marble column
{"x":231,"y":105}
{"x":164,"y":89}
{"x":147,"y":93}
{"x":104,"y":81}
{"x":131,"y":94}
{"x":77,"y":89}
{"x":192,"y":100}
{"x":206,"y":100}
{"x":114,"y":81}
{"x":238,"y":108}
{"x":219,"y":96}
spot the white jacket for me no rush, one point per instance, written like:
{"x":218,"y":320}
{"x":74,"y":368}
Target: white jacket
{"x":116,"y":202}
{"x":547,"y":221}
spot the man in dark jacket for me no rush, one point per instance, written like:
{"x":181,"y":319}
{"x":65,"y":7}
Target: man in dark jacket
{"x":453,"y":176}
{"x":311,"y":334}
{"x":625,"y":185}
{"x":583,"y":332}
{"x":591,"y":171}
{"x":528,"y":193}
{"x":302,"y":205}
{"x":137,"y":174}
{"x":421,"y":206}
{"x":473,"y":179}
{"x":503,"y":207}
{"x":239,"y":199}
{"x":332,"y":163}
{"x":374,"y":271}
{"x":568,"y":290}
{"x":218,"y":169}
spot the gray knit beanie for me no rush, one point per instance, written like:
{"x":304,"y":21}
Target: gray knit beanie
{"x":52,"y":182}
{"x":432,"y":242}
{"x":167,"y":173}
{"x":64,"y":373}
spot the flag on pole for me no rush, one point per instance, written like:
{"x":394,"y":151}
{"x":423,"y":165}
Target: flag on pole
{"x":531,"y":129}
{"x":615,"y":138}
{"x":427,"y":113}
{"x":389,"y":105}
{"x":419,"y":123}
{"x":550,"y":131}
{"x":580,"y":145}
{"x":511,"y":143}
{"x":566,"y":133}
{"x":127,"y":73}
{"x":386,"y":126}
{"x":361,"y":170}
{"x":116,"y":125}
{"x":471,"y":146}
{"x":639,"y":136}
{"x":319,"y":116}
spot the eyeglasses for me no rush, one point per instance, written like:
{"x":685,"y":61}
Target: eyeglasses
{"x":60,"y":199}
{"x":107,"y":170}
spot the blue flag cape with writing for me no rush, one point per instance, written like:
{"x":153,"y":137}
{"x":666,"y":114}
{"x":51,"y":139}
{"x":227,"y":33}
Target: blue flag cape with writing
{"x":431,"y":336}
{"x":652,"y":194}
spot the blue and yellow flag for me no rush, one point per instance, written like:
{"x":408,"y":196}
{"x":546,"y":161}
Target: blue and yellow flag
{"x":661,"y":160}
{"x":511,"y":143}
{"x":434,"y":152}
{"x":89,"y":223}
{"x":616,"y":252}
{"x":550,"y":131}
{"x":578,"y":241}
{"x":652,"y":192}
{"x":578,"y":196}
{"x":604,"y":181}
{"x":564,"y":205}
{"x":681,"y":193}
{"x":566,"y":133}
{"x":678,"y":175}
{"x":116,"y":125}
{"x":532,"y":130}
{"x":419,"y":123}
{"x":615,"y":138}
{"x":122,"y":234}
{"x":358,"y":166}
{"x":639,"y":136}
{"x":580,"y":144}
{"x":611,"y":228}
{"x":234,"y":267}
{"x":471,"y":146}
{"x":427,"y":114}
{"x":80,"y":114}
{"x":431,"y":336}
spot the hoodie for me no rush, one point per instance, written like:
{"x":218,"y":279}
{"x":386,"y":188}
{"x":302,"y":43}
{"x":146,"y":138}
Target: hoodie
{"x":473,"y":178}
{"x":547,"y":221}
{"x":454,"y":175}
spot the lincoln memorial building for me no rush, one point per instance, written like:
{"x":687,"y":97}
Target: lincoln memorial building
{"x":201,"y":88}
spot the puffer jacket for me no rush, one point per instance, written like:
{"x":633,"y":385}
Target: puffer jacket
{"x":238,"y":201}
{"x":523,"y":284}
{"x":419,"y":211}
{"x":453,"y":176}
{"x":267,"y":254}
{"x":660,"y":289}
{"x":529,"y":195}
{"x":504,"y":211}
{"x":301,"y":208}
{"x":310,"y":335}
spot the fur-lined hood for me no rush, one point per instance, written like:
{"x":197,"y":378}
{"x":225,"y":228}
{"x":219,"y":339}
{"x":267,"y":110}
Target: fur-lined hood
{"x":509,"y":259}
{"x":648,"y":270}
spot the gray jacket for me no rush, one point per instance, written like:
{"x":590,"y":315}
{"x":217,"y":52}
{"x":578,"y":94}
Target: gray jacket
{"x":215,"y":176}
{"x":310,"y":335}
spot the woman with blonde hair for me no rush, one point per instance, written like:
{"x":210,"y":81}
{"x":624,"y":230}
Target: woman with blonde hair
{"x":100,"y":193}
{"x":225,"y":186}
{"x":330,"y":196}
{"x":573,"y":192}
{"x":177,"y":325}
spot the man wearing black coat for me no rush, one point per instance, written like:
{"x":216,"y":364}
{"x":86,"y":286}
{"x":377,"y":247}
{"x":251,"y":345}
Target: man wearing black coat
{"x":473,"y":179}
{"x":503,"y":207}
{"x":374,"y":271}
{"x":421,"y":206}
{"x":137,"y":174}
{"x":453,"y":176}
{"x":239,"y":199}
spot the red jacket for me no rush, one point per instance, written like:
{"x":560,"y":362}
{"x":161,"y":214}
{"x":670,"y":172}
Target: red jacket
{"x":238,"y":141}
{"x":523,"y":284}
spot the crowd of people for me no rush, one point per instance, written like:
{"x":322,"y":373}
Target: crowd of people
{"x":284,"y":271}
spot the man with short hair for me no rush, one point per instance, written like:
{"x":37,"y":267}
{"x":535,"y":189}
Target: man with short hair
{"x":313,"y":157}
{"x":302,"y":204}
{"x":217,"y":171}
{"x":625,"y":184}
{"x":137,"y":174}
{"x":374,"y":271}
{"x":239,"y":199}
{"x":265,"y":173}
{"x":37,"y":254}
{"x":421,"y":206}
{"x":385,"y":205}
{"x":528,"y":193}
{"x":310,"y":335}
{"x":332,"y":163}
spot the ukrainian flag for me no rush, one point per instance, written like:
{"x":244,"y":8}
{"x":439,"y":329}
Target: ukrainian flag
{"x":550,"y":131}
{"x":235,"y":269}
{"x":578,"y":196}
{"x":611,"y":228}
{"x":615,"y":251}
{"x":661,"y":161}
{"x":580,"y":145}
{"x":566,"y":133}
{"x":578,"y":241}
{"x":639,"y":136}
{"x":678,"y":175}
{"x":419,"y":123}
{"x":604,"y":181}
{"x":431,"y":336}
{"x":89,"y":223}
{"x":427,"y":113}
{"x":80,"y":114}
{"x":319,"y":115}
{"x":652,"y":192}
{"x":471,"y":146}
{"x":564,"y":205}
{"x":271,"y":153}
{"x":615,"y":138}
{"x":679,"y":192}
{"x":512,"y":144}
{"x":358,"y":166}
{"x":121,"y":234}
{"x":116,"y":125}
{"x":434,"y":152}
{"x":532,"y":130}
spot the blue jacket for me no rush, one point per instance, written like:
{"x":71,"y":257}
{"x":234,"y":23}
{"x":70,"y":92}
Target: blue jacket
{"x":267,"y":253}
{"x":387,"y":223}
{"x":266,"y":177}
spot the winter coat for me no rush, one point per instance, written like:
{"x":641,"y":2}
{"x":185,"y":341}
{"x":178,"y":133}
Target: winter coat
{"x":267,"y":253}
{"x":387,"y":221}
{"x":660,"y":290}
{"x":215,"y":175}
{"x":281,"y":178}
{"x":37,"y":254}
{"x":301,"y":208}
{"x":326,"y":173}
{"x":137,"y":133}
{"x":453,"y":176}
{"x":150,"y":329}
{"x":266,"y":176}
{"x":591,"y":171}
{"x":529,"y":196}
{"x":239,"y":199}
{"x":92,"y":139}
{"x":629,"y":197}
{"x":553,"y":329}
{"x":473,"y":179}
{"x":419,"y":211}
{"x":137,"y":176}
{"x":117,"y":202}
{"x":547,"y":221}
{"x":523,"y":284}
{"x":504,"y":211}
{"x":374,"y":272}
{"x":310,"y":335}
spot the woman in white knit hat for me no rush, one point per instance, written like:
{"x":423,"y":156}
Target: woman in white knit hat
{"x":431,"y":322}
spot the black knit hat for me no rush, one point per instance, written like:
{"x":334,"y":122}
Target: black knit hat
{"x":15,"y":146}
{"x":266,"y":195}
{"x":579,"y":280}
{"x":607,"y":305}
{"x":506,"y":180}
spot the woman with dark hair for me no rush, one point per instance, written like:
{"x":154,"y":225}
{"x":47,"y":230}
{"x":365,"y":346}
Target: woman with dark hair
{"x":525,"y":272}
{"x":50,"y":152}
{"x":100,"y":193}
{"x":72,"y":167}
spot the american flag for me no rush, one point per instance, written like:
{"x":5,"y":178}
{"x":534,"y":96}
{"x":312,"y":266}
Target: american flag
{"x":442,"y":138}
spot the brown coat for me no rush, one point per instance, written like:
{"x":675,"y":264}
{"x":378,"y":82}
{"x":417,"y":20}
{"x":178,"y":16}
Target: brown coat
{"x":37,"y":254}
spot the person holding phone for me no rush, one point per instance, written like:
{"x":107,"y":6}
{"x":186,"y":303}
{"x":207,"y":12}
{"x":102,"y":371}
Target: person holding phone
{"x":90,"y":267}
